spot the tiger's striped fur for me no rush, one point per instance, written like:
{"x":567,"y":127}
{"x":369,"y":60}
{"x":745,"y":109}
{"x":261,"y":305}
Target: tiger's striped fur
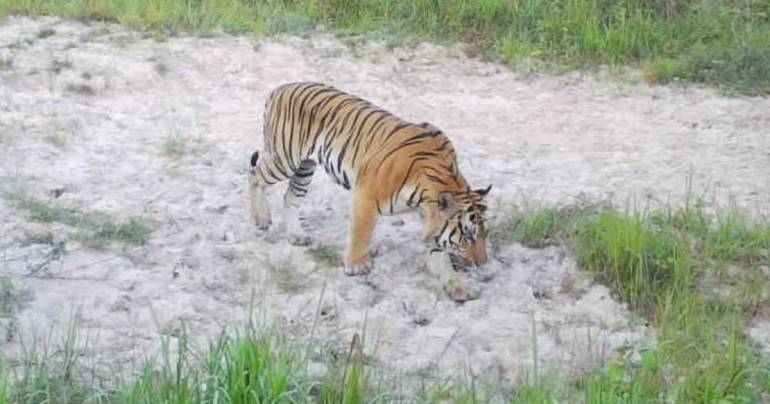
{"x":390,"y":165}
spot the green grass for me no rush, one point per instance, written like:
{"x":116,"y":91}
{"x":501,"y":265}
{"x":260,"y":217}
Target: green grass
{"x":636,"y":258}
{"x":57,"y":139}
{"x":249,"y":366}
{"x":537,"y":227}
{"x":326,"y":254}
{"x":246,"y":369}
{"x":175,"y":146}
{"x":93,"y":228}
{"x":724,"y":43}
{"x":287,"y":278}
{"x":657,"y":261}
{"x":666,"y":264}
{"x":11,"y":298}
{"x":666,"y":70}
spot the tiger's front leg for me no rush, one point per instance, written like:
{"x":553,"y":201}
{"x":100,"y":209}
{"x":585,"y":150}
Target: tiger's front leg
{"x":432,"y":222}
{"x":363,"y":220}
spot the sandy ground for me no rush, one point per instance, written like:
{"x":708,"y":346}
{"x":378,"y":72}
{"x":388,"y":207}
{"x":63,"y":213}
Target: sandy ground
{"x":549,"y":139}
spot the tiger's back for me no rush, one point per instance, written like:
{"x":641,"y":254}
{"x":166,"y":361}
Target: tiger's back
{"x":350,"y":137}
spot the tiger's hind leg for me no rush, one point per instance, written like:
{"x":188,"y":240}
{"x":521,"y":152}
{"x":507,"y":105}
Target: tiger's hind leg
{"x":292,"y":199}
{"x":262,"y":173}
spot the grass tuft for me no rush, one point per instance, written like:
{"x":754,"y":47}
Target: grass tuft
{"x":666,"y":70}
{"x":95,"y":229}
{"x":45,"y":33}
{"x":175,"y":146}
{"x":6,"y":63}
{"x":637,"y":258}
{"x":654,"y":261}
{"x":12,"y":299}
{"x":57,"y":139}
{"x":289,"y":280}
{"x":326,"y":254}
{"x":538,"y":227}
{"x":251,"y":366}
{"x":666,"y":264}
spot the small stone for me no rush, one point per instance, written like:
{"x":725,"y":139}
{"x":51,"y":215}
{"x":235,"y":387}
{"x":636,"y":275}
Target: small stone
{"x":57,"y":192}
{"x":122,"y":304}
{"x":461,"y":290}
{"x":228,"y":235}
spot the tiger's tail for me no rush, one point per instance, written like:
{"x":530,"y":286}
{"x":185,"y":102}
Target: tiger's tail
{"x":254,"y":158}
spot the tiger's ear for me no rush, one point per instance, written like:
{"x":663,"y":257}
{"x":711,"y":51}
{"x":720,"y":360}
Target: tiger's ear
{"x":484,"y":192}
{"x":446,"y":201}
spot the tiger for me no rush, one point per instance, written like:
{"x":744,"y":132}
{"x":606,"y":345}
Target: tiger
{"x":390,"y":166}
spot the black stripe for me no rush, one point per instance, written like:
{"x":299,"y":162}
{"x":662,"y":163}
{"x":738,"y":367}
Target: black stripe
{"x":443,"y":229}
{"x":306,"y":119}
{"x":422,"y":197}
{"x":278,"y":165}
{"x":271,"y":174}
{"x":398,"y":127}
{"x":435,"y":179}
{"x":411,"y":196}
{"x":337,"y":129}
{"x":304,"y":173}
{"x":443,"y":145}
{"x":345,"y":180}
{"x":377,"y":125}
{"x":344,"y":148}
{"x":452,"y":233}
{"x":412,"y":141}
{"x":324,"y":121}
{"x":406,"y":178}
{"x":287,"y":118}
{"x":296,"y":104}
{"x":371,"y":133}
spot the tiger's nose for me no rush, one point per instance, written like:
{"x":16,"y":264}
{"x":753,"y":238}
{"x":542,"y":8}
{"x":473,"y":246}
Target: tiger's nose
{"x":480,"y":254}
{"x":482,"y":260}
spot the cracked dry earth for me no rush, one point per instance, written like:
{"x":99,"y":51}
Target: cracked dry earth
{"x":114,"y":99}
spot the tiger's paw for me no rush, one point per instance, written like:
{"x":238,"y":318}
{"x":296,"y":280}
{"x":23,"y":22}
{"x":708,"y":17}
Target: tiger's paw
{"x":363,"y":268}
{"x":263,"y":222}
{"x":300,"y":240}
{"x":462,"y":289}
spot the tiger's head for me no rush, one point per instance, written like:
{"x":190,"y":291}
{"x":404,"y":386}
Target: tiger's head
{"x":464,"y":232}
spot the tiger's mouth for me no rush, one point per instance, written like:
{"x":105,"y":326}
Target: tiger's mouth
{"x":459,"y":262}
